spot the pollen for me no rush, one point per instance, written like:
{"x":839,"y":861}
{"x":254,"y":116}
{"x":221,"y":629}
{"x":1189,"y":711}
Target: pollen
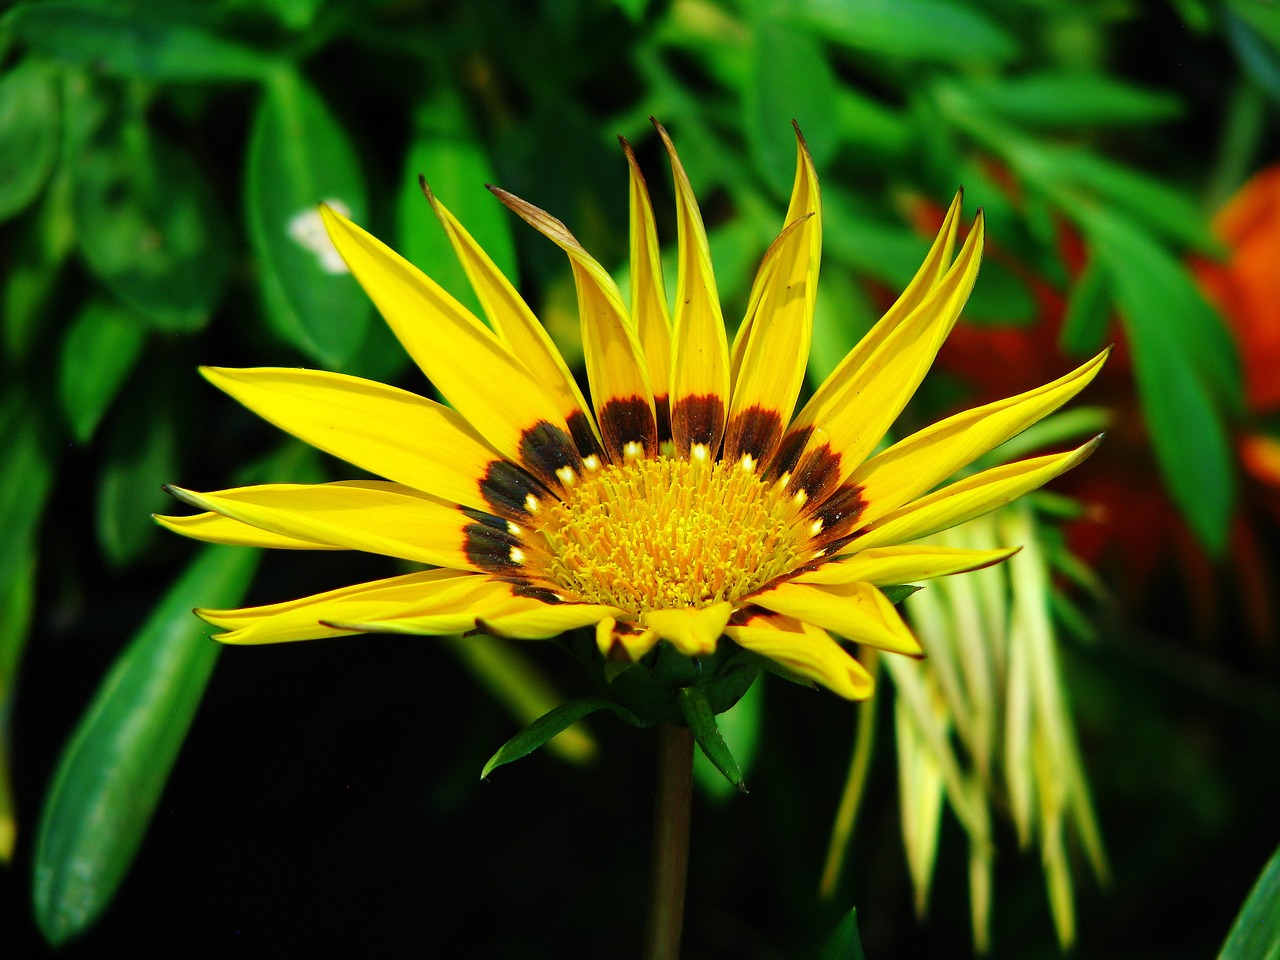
{"x":662,"y":533}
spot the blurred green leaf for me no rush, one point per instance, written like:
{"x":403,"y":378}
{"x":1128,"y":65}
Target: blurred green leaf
{"x":934,"y":30}
{"x":1256,"y":933}
{"x":842,"y":316}
{"x":299,"y":156}
{"x":446,"y":150}
{"x":543,"y":729}
{"x":120,"y":41}
{"x":25,"y":481}
{"x":789,"y":79}
{"x":114,"y":767}
{"x":867,"y":124}
{"x":854,"y":235}
{"x":28,"y":134}
{"x":1055,"y":98}
{"x":1185,"y":367}
{"x":698,"y":715}
{"x":1257,"y":55}
{"x":1164,"y":209}
{"x":98,"y":351}
{"x":141,"y":454}
{"x":1000,"y":297}
{"x":148,"y":223}
{"x":845,"y":942}
{"x":1088,"y":313}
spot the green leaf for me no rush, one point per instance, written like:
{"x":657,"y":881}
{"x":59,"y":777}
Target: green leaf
{"x":1059,"y":98}
{"x":148,"y":223}
{"x":740,"y":727}
{"x":934,"y":30}
{"x":1088,"y":313}
{"x":543,"y":729}
{"x":1000,"y":297}
{"x":702,"y":721}
{"x":299,"y":156}
{"x":97,"y":353}
{"x":1163,"y":209}
{"x":1256,"y":933}
{"x":900,"y":591}
{"x":113,"y":769}
{"x":446,"y":150}
{"x":869,"y":125}
{"x":28,"y":134}
{"x":845,"y":942}
{"x":141,"y":454}
{"x":789,"y":78}
{"x":128,"y":44}
{"x":1180,"y":366}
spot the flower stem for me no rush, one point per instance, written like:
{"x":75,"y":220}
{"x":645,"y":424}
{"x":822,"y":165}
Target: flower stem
{"x":669,"y":871}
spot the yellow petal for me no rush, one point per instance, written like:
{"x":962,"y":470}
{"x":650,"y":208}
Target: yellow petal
{"x":615,"y":359}
{"x":383,"y":518}
{"x":700,"y":360}
{"x":856,"y":611}
{"x":214,"y":528}
{"x":306,"y":617}
{"x":693,"y":631}
{"x":533,"y":620}
{"x":648,"y":296}
{"x":519,"y":329}
{"x":460,"y":355}
{"x":968,"y":498}
{"x":624,"y":641}
{"x":772,"y":348}
{"x":883,"y":566}
{"x":849,"y":413}
{"x":807,"y":651}
{"x":924,"y":459}
{"x":390,"y":432}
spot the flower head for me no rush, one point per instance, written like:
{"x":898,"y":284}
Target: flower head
{"x":684,"y":505}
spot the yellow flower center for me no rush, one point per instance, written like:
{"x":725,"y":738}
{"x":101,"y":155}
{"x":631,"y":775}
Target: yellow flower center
{"x":656,"y":534}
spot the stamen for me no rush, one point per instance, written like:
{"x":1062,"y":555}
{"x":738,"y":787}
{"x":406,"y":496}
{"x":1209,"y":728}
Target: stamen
{"x":662,"y":533}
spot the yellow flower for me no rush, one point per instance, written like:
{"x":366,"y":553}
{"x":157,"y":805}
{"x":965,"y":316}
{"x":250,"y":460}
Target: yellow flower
{"x":690,"y":507}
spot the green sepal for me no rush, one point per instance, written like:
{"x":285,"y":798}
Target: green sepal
{"x":845,"y":942}
{"x":900,"y":591}
{"x":697,"y":713}
{"x":545,"y":727}
{"x":1256,"y":935}
{"x":650,"y":690}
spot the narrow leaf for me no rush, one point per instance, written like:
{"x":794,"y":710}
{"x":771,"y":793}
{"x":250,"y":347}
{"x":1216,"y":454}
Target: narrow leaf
{"x":97,"y":353}
{"x":697,"y":713}
{"x":113,"y":770}
{"x":543,"y":729}
{"x":845,"y":942}
{"x":934,"y":30}
{"x":1088,"y":313}
{"x":1256,"y":933}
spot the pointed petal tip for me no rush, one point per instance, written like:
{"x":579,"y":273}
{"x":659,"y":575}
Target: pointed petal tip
{"x":426,"y":189}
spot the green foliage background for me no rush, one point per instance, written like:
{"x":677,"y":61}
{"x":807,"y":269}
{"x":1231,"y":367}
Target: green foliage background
{"x":152,"y":157}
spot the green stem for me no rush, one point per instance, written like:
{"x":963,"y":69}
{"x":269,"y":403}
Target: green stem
{"x":669,"y":871}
